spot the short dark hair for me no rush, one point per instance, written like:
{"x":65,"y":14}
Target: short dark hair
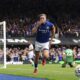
{"x":43,"y":14}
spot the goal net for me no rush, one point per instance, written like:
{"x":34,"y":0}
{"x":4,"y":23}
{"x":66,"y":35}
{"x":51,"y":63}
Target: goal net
{"x":3,"y":44}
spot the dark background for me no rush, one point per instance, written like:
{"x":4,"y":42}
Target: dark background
{"x":31,"y":8}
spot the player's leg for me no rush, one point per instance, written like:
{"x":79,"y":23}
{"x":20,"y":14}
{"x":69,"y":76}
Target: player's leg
{"x":70,"y":64}
{"x":64,"y":64}
{"x":45,"y":56}
{"x":37,"y":54}
{"x":31,"y":56}
{"x":45,"y":53}
{"x":31,"y":61}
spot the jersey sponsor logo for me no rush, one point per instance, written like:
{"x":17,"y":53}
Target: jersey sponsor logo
{"x":44,"y":31}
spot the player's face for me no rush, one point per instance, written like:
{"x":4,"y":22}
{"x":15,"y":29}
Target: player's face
{"x":43,"y":19}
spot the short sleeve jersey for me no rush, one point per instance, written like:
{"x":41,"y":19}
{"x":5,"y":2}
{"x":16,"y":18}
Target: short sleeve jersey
{"x":43,"y":32}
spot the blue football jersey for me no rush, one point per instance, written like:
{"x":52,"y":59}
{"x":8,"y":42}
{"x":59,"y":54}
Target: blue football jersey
{"x":43,"y":32}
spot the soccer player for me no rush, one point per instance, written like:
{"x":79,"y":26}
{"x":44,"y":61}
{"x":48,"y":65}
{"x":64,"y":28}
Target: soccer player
{"x":43,"y":28}
{"x":68,"y":57}
{"x":31,"y":53}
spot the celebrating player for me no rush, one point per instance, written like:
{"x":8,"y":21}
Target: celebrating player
{"x":43,"y":28}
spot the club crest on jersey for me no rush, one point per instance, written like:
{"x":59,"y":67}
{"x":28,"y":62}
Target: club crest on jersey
{"x":47,"y":27}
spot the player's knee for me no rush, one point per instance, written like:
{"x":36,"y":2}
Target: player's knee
{"x":46,"y":55}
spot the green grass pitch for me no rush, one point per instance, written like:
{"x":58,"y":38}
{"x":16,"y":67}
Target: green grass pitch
{"x":49,"y":71}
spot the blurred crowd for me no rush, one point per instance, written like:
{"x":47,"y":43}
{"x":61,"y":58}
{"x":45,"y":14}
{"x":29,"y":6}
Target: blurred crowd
{"x":18,"y":54}
{"x":56,"y":54}
{"x":21,"y":27}
{"x":70,"y":26}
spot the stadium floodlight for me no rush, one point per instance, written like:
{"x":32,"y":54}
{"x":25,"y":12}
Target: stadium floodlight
{"x":3,"y":44}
